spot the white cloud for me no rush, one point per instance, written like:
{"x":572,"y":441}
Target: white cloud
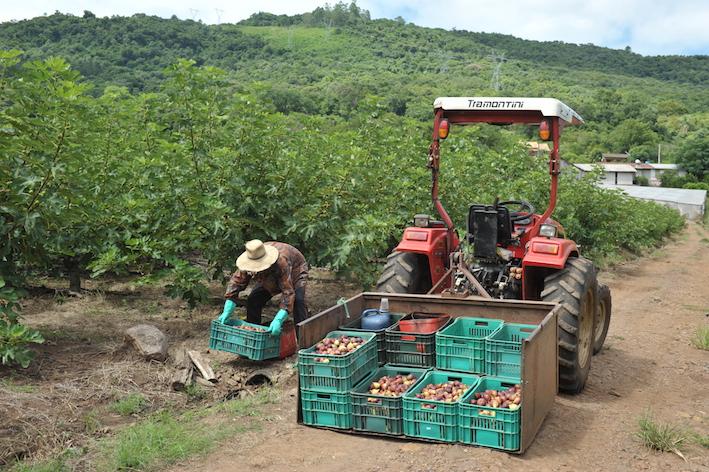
{"x":656,"y":27}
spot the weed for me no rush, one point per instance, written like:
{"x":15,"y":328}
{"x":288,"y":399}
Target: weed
{"x":131,"y":404}
{"x":91,"y":420}
{"x":701,"y":439}
{"x":619,"y":338}
{"x":701,"y":338}
{"x":661,"y":437}
{"x":195,"y":392}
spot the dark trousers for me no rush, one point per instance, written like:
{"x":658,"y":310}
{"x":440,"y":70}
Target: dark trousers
{"x":260,"y":296}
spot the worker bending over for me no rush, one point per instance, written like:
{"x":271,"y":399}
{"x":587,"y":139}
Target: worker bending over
{"x":276,"y":268}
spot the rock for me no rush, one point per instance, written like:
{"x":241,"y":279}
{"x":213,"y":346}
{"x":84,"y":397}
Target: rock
{"x":149,"y":341}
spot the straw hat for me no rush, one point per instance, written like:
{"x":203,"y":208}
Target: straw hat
{"x":257,"y":257}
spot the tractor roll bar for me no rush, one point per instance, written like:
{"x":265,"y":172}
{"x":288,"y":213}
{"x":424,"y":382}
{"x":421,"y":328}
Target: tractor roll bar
{"x":529,"y":116}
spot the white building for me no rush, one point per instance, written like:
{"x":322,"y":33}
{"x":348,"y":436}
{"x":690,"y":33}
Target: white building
{"x":613,"y":174}
{"x":689,"y":202}
{"x":653,"y":172}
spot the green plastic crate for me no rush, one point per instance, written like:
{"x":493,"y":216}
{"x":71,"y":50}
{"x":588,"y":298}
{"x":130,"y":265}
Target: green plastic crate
{"x":252,"y":344}
{"x":498,"y":428}
{"x":341,"y":373}
{"x":432,"y":419}
{"x":356,"y":325}
{"x":461,"y":345}
{"x":326,"y":409}
{"x":503,"y":350}
{"x":383,"y":414}
{"x":411,"y":349}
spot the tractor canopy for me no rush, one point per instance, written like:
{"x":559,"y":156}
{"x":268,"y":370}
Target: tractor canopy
{"x":505,"y":110}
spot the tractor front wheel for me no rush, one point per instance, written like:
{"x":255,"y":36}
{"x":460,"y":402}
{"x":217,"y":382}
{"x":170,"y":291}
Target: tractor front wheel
{"x":574,"y":287}
{"x":405,"y":272}
{"x":603,"y":317}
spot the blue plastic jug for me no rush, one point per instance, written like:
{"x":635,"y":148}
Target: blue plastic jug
{"x":375,"y":319}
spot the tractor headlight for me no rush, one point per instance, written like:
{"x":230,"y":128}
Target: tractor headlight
{"x":422,"y":221}
{"x":548,"y":230}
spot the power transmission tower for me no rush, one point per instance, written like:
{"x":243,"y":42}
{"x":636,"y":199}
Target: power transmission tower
{"x":194,"y":12}
{"x":290,"y":37}
{"x":219,"y":12}
{"x":499,"y":59}
{"x":445,"y":58}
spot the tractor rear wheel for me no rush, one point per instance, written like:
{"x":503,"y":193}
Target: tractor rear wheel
{"x":603,"y":317}
{"x":404,"y":272}
{"x":574,"y":287}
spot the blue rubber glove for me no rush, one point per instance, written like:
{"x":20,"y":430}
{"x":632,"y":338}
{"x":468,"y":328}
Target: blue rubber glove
{"x":277,"y":323}
{"x":228,"y":310}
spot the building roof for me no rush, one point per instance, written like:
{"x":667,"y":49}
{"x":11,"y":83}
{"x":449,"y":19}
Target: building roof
{"x":607,"y":167}
{"x":546,"y":106}
{"x":664,"y":166}
{"x":652,"y":165}
{"x":609,"y":156}
{"x":679,"y":195}
{"x":535,"y":146}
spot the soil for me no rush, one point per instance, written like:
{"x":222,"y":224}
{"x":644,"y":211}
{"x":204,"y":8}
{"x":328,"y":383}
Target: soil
{"x":648,"y":364}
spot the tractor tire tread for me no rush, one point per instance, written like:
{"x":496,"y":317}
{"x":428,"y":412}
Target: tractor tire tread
{"x":567,"y":287}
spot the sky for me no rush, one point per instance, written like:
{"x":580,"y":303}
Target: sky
{"x":655,"y":27}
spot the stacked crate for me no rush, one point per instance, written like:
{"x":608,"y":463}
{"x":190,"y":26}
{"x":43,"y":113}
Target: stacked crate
{"x":326,"y":380}
{"x":481,"y":353}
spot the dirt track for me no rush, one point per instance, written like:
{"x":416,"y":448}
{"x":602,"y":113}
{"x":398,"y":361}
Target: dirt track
{"x":63,"y":400}
{"x":648,"y":363}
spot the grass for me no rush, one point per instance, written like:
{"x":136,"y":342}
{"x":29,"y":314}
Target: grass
{"x":195,"y":392}
{"x":131,"y":404}
{"x":54,"y":465}
{"x":701,"y":338}
{"x":92,"y":421}
{"x":701,"y":439}
{"x":662,"y":437}
{"x":160,"y":440}
{"x":7,"y":384}
{"x":163,"y":438}
{"x":57,"y":464}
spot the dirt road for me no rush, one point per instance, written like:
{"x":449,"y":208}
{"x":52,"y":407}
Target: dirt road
{"x":648,"y":364}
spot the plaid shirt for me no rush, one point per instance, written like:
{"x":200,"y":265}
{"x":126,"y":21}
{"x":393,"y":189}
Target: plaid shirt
{"x":289,"y":272}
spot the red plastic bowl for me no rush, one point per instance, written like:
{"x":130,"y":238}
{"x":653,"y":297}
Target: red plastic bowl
{"x":423,"y":323}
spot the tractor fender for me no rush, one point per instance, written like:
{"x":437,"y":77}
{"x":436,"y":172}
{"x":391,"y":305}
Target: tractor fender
{"x":549,"y":252}
{"x":430,"y":242}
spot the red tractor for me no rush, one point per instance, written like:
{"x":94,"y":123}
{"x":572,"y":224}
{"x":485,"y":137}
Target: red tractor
{"x":512,"y":252}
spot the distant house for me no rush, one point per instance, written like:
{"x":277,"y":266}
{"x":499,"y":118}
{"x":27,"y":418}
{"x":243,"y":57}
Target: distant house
{"x":653,"y":172}
{"x":611,"y":157}
{"x":613,"y":174}
{"x":536,"y":149}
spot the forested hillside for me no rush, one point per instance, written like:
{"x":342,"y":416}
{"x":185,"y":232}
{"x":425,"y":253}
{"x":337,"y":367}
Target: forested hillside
{"x":326,"y":61}
{"x":137,"y":144}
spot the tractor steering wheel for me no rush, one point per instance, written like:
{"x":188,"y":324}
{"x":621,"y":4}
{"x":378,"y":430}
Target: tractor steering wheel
{"x":526,"y":210}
